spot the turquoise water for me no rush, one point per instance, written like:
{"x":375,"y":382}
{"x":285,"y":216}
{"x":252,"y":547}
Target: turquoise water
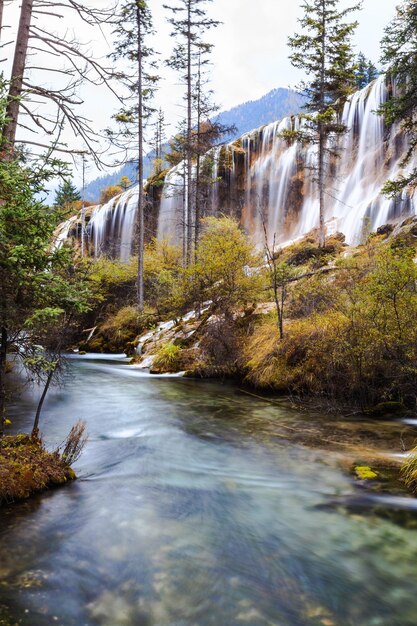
{"x":200,"y":505}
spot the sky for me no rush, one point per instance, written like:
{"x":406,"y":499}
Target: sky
{"x":250,"y":54}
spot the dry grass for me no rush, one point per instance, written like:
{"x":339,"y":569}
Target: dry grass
{"x":409,"y":471}
{"x":74,"y":444}
{"x":26,"y":467}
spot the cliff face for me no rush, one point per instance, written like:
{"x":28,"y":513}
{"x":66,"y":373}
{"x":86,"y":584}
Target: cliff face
{"x":263,"y":180}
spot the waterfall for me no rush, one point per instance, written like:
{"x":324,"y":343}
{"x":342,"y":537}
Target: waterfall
{"x":265,"y":181}
{"x":171,"y":212}
{"x":63,"y":231}
{"x":279,"y":182}
{"x":112,"y":225}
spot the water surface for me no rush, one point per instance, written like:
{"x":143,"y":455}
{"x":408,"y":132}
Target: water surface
{"x":200,"y":505}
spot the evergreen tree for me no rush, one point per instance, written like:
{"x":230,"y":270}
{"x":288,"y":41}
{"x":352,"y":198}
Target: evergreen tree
{"x":372,"y":72}
{"x":324,"y":52}
{"x":158,"y":142}
{"x":41,"y":287}
{"x":190,"y":21}
{"x":399,"y":56}
{"x":361,"y":71}
{"x":134,"y":27}
{"x":366,"y":71}
{"x":66,"y":197}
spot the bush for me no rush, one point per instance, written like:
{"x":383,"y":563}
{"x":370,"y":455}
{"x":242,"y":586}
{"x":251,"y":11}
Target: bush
{"x":168,"y":358}
{"x":357,"y":341}
{"x":221,"y":343}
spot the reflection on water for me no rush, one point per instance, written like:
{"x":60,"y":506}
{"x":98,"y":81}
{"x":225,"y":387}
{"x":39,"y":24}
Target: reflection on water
{"x":199,"y":505}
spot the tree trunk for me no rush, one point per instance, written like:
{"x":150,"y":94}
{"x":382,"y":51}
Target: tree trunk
{"x":198,"y":164}
{"x":322,"y":136}
{"x":35,"y":430}
{"x":3,"y":355}
{"x":1,"y":17}
{"x":19,"y":65}
{"x":189,"y":141}
{"x":322,"y":148}
{"x":140,"y":223}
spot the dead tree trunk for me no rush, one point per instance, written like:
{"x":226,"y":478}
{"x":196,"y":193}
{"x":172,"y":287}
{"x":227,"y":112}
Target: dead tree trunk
{"x":18,"y":70}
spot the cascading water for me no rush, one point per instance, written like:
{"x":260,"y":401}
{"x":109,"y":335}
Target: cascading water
{"x":171,"y":212}
{"x":265,"y":181}
{"x":279,"y":179}
{"x":112,"y":225}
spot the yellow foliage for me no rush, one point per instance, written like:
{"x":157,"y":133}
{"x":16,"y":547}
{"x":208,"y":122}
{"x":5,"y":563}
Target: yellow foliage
{"x":109,"y":192}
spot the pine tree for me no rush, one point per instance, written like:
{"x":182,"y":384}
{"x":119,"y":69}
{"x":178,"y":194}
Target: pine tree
{"x":190,"y":21}
{"x":66,"y":197}
{"x":134,"y":27}
{"x":372,"y":72}
{"x":399,"y":56}
{"x":158,"y":142}
{"x":324,"y":52}
{"x":366,"y":71}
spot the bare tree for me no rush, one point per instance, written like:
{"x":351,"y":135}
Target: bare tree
{"x":67,"y":59}
{"x":280,"y":276}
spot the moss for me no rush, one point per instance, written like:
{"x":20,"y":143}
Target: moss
{"x":364,"y":472}
{"x":26,"y":467}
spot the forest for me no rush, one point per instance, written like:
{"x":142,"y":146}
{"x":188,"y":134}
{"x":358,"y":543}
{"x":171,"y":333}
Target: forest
{"x":220,"y":346}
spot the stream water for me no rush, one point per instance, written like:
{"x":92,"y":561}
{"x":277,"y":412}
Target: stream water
{"x":200,"y":505}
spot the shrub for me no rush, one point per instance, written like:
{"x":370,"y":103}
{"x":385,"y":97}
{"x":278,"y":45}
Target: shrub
{"x":220,"y":343}
{"x":168,"y":357}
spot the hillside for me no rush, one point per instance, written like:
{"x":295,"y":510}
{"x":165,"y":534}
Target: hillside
{"x":245,"y":117}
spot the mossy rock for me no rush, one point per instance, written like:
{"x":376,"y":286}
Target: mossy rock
{"x":387,"y":409}
{"x":385,"y":230}
{"x":310,"y":252}
{"x":364,"y":472}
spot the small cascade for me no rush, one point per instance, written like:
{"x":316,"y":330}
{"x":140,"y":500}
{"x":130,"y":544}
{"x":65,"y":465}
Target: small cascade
{"x":63,"y":231}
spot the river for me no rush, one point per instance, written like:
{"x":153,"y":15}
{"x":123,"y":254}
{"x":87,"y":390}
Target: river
{"x":200,"y":505}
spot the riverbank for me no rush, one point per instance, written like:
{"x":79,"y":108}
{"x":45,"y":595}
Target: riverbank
{"x":26,"y":468}
{"x":334,"y":324}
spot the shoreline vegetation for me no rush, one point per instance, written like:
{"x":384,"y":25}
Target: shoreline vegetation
{"x":334,"y":325}
{"x":27,"y":467}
